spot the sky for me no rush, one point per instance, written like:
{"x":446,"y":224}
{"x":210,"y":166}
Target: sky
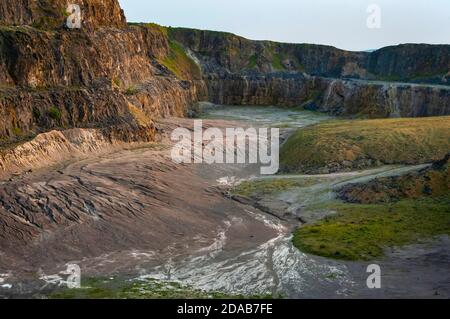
{"x":340,"y":23}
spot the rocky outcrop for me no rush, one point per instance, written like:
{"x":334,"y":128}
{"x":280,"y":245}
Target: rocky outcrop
{"x":433,"y":181}
{"x":419,"y":63}
{"x":335,"y":96}
{"x":225,"y":52}
{"x":32,"y":57}
{"x":50,"y":14}
{"x":26,"y":112}
{"x":57,"y":146}
{"x":244,"y":72}
{"x":87,"y":78}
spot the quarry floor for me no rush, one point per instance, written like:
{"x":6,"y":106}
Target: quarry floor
{"x":136,"y":214}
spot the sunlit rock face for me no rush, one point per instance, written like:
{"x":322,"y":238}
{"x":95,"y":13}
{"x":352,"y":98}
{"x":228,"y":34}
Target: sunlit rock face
{"x":52,"y":77}
{"x":53,"y":13}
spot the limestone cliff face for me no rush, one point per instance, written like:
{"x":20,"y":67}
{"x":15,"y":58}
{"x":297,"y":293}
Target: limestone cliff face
{"x":37,"y":58}
{"x":381,"y":99}
{"x":419,"y":63}
{"x":245,"y":72}
{"x":286,"y":89}
{"x":336,"y":96}
{"x":61,"y":79}
{"x":51,"y":14}
{"x":26,"y":112}
{"x":225,"y":52}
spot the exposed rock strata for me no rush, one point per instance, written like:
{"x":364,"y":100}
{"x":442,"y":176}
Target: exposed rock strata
{"x":107,"y":209}
{"x":65,"y":79}
{"x":227,"y":52}
{"x":53,"y":13}
{"x":58,"y":146}
{"x":336,"y":96}
{"x":241,"y":71}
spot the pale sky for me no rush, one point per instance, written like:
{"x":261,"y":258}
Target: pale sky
{"x":340,"y":23}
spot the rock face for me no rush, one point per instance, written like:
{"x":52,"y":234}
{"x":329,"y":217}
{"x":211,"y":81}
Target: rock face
{"x":381,"y":99}
{"x":87,"y":78}
{"x":419,"y":63}
{"x":241,"y":71}
{"x":336,"y":96}
{"x":57,"y":146}
{"x":224,"y":52}
{"x":287,"y":89}
{"x":227,"y":52}
{"x":51,"y":14}
{"x":37,"y":58}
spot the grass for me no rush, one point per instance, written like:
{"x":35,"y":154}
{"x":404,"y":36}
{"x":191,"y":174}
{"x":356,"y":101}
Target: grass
{"x":131,"y":90}
{"x":180,"y":64}
{"x":98,"y":288}
{"x":275,"y":57}
{"x":386,"y":141}
{"x":276,"y":62}
{"x":154,"y":26}
{"x":362,"y":232}
{"x":253,"y":61}
{"x":265,"y":187}
{"x":54,"y":113}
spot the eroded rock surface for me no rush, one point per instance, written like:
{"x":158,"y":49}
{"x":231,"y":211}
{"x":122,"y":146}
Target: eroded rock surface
{"x":53,"y":13}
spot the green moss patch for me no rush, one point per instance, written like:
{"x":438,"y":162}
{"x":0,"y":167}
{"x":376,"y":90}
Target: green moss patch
{"x":253,"y":61}
{"x":54,"y":113}
{"x":270,"y":186}
{"x":362,"y":232}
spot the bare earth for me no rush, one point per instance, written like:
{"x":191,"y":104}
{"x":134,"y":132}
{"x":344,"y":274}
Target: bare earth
{"x":137,"y":213}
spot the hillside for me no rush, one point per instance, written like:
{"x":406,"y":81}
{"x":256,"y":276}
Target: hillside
{"x":383,"y":213}
{"x":348,"y":145}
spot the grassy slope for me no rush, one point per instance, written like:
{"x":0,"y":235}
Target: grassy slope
{"x":362,"y":232}
{"x":177,"y":61}
{"x":180,"y":64}
{"x":390,"y":212}
{"x":260,"y":188}
{"x":395,"y":211}
{"x":406,"y":140}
